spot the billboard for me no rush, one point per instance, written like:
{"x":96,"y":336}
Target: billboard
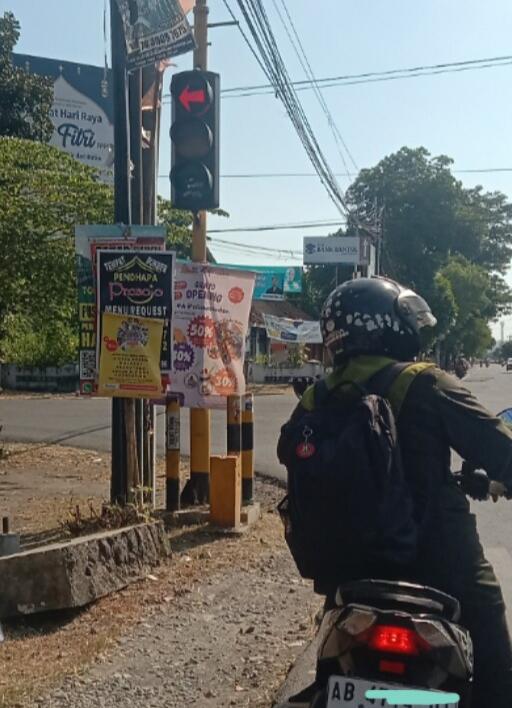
{"x":322,"y":250}
{"x":88,"y":239}
{"x":154,"y":30}
{"x":273,"y":282}
{"x":137,"y":283}
{"x":82,"y":112}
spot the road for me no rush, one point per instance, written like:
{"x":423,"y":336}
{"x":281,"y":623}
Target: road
{"x":86,"y":423}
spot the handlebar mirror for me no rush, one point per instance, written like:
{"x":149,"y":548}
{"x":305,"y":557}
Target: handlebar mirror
{"x":506,"y":416}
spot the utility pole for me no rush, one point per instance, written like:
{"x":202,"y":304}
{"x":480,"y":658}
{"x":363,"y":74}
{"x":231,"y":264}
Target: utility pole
{"x":122,"y":214}
{"x":198,"y":491}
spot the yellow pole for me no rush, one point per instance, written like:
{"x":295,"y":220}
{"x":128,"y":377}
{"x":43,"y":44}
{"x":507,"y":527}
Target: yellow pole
{"x":248,"y":449}
{"x":199,"y":418}
{"x":234,"y":429}
{"x":172,"y":453}
{"x":226,"y":491}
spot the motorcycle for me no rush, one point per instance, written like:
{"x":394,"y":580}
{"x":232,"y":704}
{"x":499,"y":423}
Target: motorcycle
{"x":396,"y":636}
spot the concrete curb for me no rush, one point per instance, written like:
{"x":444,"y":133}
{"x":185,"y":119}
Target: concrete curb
{"x":74,"y":573}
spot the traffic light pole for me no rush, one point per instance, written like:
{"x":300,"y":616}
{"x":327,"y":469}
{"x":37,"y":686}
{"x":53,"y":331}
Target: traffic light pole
{"x":200,"y":424}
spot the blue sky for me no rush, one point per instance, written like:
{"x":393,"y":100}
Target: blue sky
{"x":464,"y":115}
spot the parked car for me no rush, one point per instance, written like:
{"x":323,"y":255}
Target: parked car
{"x":509,"y":364}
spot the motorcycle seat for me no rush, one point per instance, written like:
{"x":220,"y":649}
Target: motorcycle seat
{"x":387,"y":594}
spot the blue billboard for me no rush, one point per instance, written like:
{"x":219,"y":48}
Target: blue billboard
{"x":273,"y":282}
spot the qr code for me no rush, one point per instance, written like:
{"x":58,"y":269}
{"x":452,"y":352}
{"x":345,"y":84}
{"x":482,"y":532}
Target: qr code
{"x":87,"y":364}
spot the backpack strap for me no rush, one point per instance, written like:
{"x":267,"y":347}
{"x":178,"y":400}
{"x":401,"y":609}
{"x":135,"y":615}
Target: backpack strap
{"x":381,"y":382}
{"x":321,"y":392}
{"x":393,"y":381}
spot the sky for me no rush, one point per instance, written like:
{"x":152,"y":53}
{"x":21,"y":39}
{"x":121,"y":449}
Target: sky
{"x":464,"y":115}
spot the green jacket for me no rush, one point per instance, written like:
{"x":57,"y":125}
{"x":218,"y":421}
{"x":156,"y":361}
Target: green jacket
{"x":435,"y":415}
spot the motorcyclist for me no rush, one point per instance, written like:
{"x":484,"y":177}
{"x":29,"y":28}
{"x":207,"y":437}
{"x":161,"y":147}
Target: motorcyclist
{"x":367,"y":324}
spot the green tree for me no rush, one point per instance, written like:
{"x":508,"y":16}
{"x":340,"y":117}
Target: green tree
{"x":44,"y":193}
{"x":25,"y":99}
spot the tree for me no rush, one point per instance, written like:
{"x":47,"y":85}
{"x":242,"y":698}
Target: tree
{"x":25,"y":99}
{"x":441,"y":239}
{"x":44,"y":193}
{"x":468,"y":333}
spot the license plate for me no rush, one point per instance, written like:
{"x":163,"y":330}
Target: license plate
{"x":348,"y":692}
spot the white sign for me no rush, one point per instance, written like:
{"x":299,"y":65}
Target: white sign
{"x":211,"y":317}
{"x":293,"y":331}
{"x":82,"y":129}
{"x":320,"y":250}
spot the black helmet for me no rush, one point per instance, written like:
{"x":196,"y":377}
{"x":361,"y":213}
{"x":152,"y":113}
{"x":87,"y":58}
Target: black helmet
{"x":374,"y":316}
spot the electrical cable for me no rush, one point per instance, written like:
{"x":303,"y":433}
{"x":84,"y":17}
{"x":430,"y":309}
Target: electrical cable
{"x":375,"y":76}
{"x":306,"y":66}
{"x":257,"y":21}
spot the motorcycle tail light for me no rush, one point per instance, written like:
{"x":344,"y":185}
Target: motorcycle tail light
{"x":396,"y":640}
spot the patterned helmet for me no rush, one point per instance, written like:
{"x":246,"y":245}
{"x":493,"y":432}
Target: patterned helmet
{"x":374,"y":316}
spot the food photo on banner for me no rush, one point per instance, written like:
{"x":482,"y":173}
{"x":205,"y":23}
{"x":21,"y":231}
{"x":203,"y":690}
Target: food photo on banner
{"x":211,"y":319}
{"x":273,"y":282}
{"x":139,"y":284}
{"x":88,"y":238}
{"x":154,"y":30}
{"x":130,"y":356}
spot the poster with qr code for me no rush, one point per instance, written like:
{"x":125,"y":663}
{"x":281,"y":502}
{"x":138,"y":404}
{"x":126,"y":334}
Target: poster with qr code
{"x":88,"y":240}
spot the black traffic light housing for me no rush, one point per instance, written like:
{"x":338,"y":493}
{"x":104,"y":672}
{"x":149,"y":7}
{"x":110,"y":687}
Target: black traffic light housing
{"x":195,"y":140}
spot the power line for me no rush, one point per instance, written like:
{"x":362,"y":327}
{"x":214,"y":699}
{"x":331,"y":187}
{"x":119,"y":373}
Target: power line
{"x":300,"y":52}
{"x":375,"y":76}
{"x":278,"y":227}
{"x":276,"y":175}
{"x":255,"y":16}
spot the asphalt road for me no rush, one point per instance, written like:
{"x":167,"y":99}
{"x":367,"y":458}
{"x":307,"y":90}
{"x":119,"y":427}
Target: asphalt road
{"x":86,"y":423}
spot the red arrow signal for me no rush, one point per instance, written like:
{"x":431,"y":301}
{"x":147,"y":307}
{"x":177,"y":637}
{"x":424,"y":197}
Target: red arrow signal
{"x":187,"y":97}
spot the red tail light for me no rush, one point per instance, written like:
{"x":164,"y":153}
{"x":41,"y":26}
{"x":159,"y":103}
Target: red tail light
{"x":397,"y":640}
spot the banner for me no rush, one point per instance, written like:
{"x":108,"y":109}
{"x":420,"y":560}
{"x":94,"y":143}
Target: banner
{"x":320,"y":250}
{"x":211,"y":318}
{"x":87,"y":240}
{"x":139,"y":284}
{"x":130,"y":356}
{"x":293,"y":331}
{"x":274,"y":282}
{"x":82,"y":111}
{"x":154,"y":30}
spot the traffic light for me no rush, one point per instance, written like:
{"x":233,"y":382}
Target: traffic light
{"x":195,"y":140}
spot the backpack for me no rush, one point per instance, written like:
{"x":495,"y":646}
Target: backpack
{"x":348,"y":501}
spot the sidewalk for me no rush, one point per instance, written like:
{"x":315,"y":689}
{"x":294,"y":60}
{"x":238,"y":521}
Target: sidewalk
{"x":217,"y":625}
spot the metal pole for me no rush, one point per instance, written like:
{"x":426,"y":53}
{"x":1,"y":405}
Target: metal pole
{"x":135,"y":99}
{"x":122,"y":214}
{"x":200,"y":418}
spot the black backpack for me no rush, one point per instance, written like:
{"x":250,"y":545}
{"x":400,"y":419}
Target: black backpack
{"x":348,"y":501}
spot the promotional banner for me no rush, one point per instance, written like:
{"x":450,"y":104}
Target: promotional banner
{"x":320,"y":250}
{"x":87,"y":240}
{"x":130,"y":356}
{"x":211,"y":318}
{"x":139,"y":284}
{"x":293,"y":331}
{"x":154,"y":30}
{"x":82,"y":112}
{"x":274,"y":282}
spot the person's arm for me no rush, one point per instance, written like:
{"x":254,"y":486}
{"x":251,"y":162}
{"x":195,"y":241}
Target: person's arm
{"x":472,"y":431}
